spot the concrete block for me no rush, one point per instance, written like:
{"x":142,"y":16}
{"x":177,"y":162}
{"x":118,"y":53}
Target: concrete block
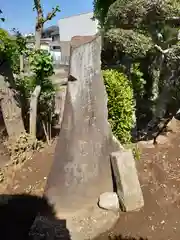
{"x":126,"y":177}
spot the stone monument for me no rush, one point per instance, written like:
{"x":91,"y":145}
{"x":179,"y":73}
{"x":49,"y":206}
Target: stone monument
{"x":81,"y":171}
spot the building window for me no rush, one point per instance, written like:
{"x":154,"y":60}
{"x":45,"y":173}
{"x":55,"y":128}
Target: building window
{"x":56,"y":48}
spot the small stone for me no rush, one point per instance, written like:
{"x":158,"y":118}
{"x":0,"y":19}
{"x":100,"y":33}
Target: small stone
{"x":109,"y":201}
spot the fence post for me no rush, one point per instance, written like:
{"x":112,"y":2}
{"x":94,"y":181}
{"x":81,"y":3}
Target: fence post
{"x":33,"y":110}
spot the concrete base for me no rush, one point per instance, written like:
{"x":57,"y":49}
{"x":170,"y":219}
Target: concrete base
{"x":81,"y":225}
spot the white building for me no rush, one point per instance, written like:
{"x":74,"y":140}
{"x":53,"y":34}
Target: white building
{"x":50,"y":42}
{"x":81,"y":25}
{"x":78,"y":25}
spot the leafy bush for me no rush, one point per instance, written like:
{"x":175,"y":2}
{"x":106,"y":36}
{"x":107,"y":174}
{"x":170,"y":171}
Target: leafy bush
{"x":41,"y":64}
{"x":120,"y":104}
{"x":8,"y":50}
{"x":11,"y":47}
{"x":46,"y":102}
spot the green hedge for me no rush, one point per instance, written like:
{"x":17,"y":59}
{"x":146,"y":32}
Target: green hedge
{"x":120,"y":104}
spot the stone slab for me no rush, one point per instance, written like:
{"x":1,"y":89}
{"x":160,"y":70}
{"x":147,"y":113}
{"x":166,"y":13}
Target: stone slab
{"x":126,"y":177}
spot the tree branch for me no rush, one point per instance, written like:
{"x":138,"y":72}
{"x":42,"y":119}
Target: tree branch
{"x":51,"y":14}
{"x":162,"y":50}
{"x":38,"y":7}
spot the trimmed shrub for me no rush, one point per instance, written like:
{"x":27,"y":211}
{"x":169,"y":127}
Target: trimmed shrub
{"x":120,"y":104}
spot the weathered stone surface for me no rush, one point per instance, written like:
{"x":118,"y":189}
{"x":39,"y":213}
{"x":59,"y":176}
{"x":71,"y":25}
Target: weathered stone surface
{"x":11,"y":110}
{"x":81,"y":169}
{"x":128,"y":186}
{"x":109,"y":201}
{"x":76,"y":41}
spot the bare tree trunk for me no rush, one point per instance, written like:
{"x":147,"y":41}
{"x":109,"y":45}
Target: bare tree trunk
{"x":11,"y":111}
{"x":46,"y":132}
{"x":38,"y":38}
{"x":33,"y":110}
{"x":40,"y":20}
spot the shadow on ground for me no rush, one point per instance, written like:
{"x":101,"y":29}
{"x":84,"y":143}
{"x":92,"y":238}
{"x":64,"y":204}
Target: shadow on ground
{"x":126,"y":238}
{"x":18,"y":213}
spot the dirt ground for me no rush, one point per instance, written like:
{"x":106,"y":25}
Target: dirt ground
{"x":30,"y":178}
{"x":159,"y":174}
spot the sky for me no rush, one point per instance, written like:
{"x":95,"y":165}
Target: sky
{"x":19,"y":13}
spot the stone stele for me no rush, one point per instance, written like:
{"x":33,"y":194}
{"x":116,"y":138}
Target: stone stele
{"x":81,"y":170}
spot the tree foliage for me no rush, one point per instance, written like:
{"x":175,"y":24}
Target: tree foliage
{"x":100,"y":10}
{"x":138,"y":81}
{"x":41,"y":65}
{"x":141,"y":22}
{"x":130,"y":24}
{"x":11,"y":47}
{"x":145,"y":32}
{"x":130,"y":43}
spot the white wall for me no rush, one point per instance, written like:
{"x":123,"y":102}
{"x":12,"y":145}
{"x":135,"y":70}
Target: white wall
{"x":79,"y":25}
{"x":56,"y":55}
{"x":44,"y":47}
